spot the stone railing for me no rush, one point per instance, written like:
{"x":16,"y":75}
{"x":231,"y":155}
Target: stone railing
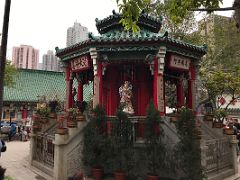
{"x":44,"y":150}
{"x":68,"y":152}
{"x":219,"y":157}
{"x":138,"y":129}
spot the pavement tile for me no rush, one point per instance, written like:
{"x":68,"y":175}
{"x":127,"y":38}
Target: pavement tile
{"x":15,"y":160}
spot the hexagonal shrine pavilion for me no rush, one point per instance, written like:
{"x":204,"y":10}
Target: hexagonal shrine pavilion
{"x":143,"y":61}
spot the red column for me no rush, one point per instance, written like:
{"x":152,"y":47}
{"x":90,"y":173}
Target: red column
{"x":24,"y":113}
{"x":191,"y":86}
{"x":158,"y":89}
{"x":80,"y":92}
{"x":69,"y":100}
{"x":70,"y":93}
{"x":155,"y":83}
{"x":180,"y":96}
{"x":100,"y":83}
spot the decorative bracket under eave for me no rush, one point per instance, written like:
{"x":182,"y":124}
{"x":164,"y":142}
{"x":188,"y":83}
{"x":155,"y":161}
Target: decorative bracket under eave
{"x":94,"y":55}
{"x":150,"y":60}
{"x":160,"y":57}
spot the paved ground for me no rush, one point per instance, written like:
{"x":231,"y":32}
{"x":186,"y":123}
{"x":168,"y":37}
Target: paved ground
{"x":236,"y":176}
{"x":15,"y":160}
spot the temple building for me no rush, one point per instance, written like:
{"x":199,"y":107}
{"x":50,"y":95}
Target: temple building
{"x":146,"y":60}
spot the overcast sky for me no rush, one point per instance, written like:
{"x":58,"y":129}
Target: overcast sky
{"x":43,"y":23}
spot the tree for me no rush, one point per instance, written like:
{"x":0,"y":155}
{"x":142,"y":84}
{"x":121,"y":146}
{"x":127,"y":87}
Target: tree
{"x":4,"y":50}
{"x":223,"y":43}
{"x":219,"y":83}
{"x":220,"y":69}
{"x":95,"y":140}
{"x":177,"y":9}
{"x":122,"y":141}
{"x":10,"y":71}
{"x":154,"y":145}
{"x":188,"y":150}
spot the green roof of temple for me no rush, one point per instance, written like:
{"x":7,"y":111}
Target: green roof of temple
{"x":144,"y":22}
{"x":32,"y":83}
{"x":113,"y":34}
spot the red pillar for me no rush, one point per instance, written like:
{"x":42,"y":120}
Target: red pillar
{"x":24,"y":113}
{"x":158,"y":89}
{"x":97,"y":86}
{"x":80,"y":92}
{"x":155,"y":83}
{"x":180,"y":95}
{"x":100,"y":83}
{"x":191,"y":87}
{"x":69,"y":100}
{"x":70,"y":93}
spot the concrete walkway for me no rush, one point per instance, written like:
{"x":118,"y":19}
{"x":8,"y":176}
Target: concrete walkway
{"x":15,"y":160}
{"x":236,"y":176}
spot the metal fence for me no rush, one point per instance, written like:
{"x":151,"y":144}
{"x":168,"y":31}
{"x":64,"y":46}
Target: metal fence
{"x":44,"y":150}
{"x":218,"y":155}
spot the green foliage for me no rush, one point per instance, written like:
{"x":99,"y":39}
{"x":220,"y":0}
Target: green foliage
{"x":122,"y":141}
{"x":188,"y":150}
{"x":223,"y":44}
{"x":43,"y":112}
{"x":10,"y":71}
{"x":8,"y":178}
{"x":95,"y":140}
{"x":177,"y":10}
{"x":154,"y":147}
{"x":131,"y":10}
{"x":220,"y":67}
{"x":220,"y":82}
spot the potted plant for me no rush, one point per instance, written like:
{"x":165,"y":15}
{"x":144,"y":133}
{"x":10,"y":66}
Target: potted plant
{"x":61,"y":129}
{"x":36,"y":123}
{"x":154,"y":145}
{"x":43,"y":113}
{"x":228,"y":130}
{"x":94,"y":144}
{"x":53,"y":106}
{"x":122,"y":143}
{"x":71,"y":115}
{"x":219,"y":116}
{"x":174,"y":116}
{"x":81,"y":105}
{"x":187,"y":151}
{"x":209,"y":112}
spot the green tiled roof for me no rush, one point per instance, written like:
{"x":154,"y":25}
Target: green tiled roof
{"x":33,"y":83}
{"x":144,"y":22}
{"x":113,"y":36}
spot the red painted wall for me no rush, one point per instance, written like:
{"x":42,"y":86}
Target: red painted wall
{"x":141,"y":80}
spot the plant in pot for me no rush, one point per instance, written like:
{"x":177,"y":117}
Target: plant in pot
{"x":94,"y":144}
{"x":219,"y":116}
{"x":36,"y":123}
{"x":43,"y":113}
{"x":82,"y":106}
{"x":71,"y":115}
{"x":188,"y":152}
{"x":122,"y":144}
{"x":61,"y":128}
{"x":154,"y":146}
{"x":53,"y":106}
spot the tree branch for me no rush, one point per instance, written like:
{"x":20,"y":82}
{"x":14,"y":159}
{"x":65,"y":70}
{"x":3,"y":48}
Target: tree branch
{"x":213,"y":9}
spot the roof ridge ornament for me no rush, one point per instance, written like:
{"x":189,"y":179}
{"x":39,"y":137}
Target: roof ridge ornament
{"x":145,"y":21}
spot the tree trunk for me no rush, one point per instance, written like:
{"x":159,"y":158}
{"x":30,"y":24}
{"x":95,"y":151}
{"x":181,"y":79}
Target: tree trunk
{"x":4,"y":50}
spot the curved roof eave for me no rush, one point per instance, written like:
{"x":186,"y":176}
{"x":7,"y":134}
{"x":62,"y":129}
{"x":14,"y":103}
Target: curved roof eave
{"x":171,"y":44}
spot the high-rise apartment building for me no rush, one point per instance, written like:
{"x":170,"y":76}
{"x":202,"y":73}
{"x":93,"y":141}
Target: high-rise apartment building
{"x":76,"y":34}
{"x":51,"y":62}
{"x":25,"y":57}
